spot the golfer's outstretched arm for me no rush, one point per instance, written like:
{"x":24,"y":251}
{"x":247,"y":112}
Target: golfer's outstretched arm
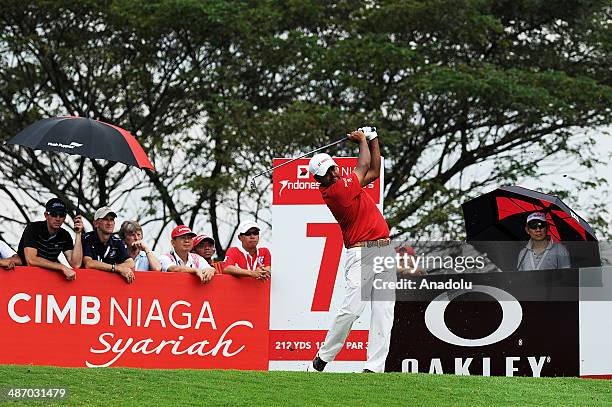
{"x":363,"y":161}
{"x":374,"y":170}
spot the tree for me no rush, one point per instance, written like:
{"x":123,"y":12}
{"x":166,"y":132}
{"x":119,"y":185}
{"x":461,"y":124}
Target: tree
{"x":461,"y":84}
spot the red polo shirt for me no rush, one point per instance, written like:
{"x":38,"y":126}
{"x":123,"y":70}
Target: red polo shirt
{"x":355,"y":211}
{"x":237,"y":256}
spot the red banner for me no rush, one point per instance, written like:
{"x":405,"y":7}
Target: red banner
{"x":162,"y":320}
{"x":304,"y":345}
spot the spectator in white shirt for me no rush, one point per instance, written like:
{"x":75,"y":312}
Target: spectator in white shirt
{"x":8,"y":258}
{"x":181,"y":260}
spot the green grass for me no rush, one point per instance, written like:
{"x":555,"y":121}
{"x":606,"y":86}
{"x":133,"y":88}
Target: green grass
{"x":116,"y":386}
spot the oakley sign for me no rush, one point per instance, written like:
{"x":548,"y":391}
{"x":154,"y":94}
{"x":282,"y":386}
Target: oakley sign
{"x":512,"y":315}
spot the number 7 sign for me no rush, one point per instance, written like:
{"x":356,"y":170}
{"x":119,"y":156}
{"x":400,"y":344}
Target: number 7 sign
{"x":330,"y":262}
{"x":307,"y":256}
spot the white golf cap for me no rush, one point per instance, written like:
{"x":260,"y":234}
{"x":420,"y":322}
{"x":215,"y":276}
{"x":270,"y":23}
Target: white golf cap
{"x":103,"y":212}
{"x":246,"y":225}
{"x":320,"y":163}
{"x":536,"y":216}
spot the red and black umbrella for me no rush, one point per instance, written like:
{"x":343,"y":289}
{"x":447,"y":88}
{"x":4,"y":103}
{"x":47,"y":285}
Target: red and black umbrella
{"x":500,"y":215}
{"x":86,"y":138}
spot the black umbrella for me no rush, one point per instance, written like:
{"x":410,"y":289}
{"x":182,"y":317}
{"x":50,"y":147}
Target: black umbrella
{"x":86,"y":138}
{"x":500,"y":215}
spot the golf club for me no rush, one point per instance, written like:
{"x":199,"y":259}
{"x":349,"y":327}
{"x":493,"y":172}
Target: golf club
{"x":253,"y":186}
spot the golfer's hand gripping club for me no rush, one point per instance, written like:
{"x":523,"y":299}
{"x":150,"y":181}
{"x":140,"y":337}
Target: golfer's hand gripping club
{"x":370,"y":132}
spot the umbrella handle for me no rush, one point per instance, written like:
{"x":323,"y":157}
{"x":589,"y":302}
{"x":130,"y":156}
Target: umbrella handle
{"x":81,"y":165}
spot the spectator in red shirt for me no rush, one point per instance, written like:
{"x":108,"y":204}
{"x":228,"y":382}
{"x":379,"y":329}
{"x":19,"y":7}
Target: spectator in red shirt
{"x":248,"y":260}
{"x":366,"y":238}
{"x":204,"y":245}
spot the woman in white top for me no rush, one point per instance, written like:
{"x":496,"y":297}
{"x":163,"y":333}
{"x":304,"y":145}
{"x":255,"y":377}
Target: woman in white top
{"x":8,"y":258}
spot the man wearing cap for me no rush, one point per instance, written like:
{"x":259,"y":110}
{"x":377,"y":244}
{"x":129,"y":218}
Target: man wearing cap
{"x":181,"y":260}
{"x":144,"y":258}
{"x":8,"y":258}
{"x":366,"y":237}
{"x":42,"y":242}
{"x":102,"y":250}
{"x":541,"y":253}
{"x":247,"y":260}
{"x":204,"y":245}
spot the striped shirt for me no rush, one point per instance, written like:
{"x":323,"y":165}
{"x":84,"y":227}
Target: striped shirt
{"x":37,"y":236}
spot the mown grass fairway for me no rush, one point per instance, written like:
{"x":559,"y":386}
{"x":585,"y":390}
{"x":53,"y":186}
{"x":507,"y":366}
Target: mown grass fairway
{"x":106,"y":387}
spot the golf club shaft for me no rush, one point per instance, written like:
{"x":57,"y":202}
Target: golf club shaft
{"x":302,"y":156}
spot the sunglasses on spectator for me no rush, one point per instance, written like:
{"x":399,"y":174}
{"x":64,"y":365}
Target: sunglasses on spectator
{"x":251,"y":233}
{"x":57,"y":214}
{"x":537,"y":225}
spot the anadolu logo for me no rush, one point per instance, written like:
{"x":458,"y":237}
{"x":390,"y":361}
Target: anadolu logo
{"x":512,"y":315}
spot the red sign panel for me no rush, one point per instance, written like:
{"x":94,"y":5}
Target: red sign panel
{"x":294,"y":185}
{"x":162,"y":320}
{"x":304,"y":344}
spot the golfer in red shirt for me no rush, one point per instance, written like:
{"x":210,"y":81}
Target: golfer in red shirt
{"x":366,"y":237}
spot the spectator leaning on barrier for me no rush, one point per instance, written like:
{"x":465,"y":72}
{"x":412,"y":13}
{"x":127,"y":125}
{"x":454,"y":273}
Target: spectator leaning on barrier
{"x":204,"y":245}
{"x":247,"y":260}
{"x":8,"y":258}
{"x":42,"y":242}
{"x":541,"y":253}
{"x":181,"y":260}
{"x":144,"y":258}
{"x":102,"y":250}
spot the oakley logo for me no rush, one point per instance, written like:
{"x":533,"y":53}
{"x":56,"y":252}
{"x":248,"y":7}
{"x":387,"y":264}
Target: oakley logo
{"x":512,"y":315}
{"x":70,"y":146}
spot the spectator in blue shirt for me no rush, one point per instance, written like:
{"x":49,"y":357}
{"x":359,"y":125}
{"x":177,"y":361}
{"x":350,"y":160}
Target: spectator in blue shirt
{"x":102,"y":250}
{"x":144,"y":258}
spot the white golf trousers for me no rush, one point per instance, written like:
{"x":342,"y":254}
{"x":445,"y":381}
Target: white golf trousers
{"x":359,"y":275}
